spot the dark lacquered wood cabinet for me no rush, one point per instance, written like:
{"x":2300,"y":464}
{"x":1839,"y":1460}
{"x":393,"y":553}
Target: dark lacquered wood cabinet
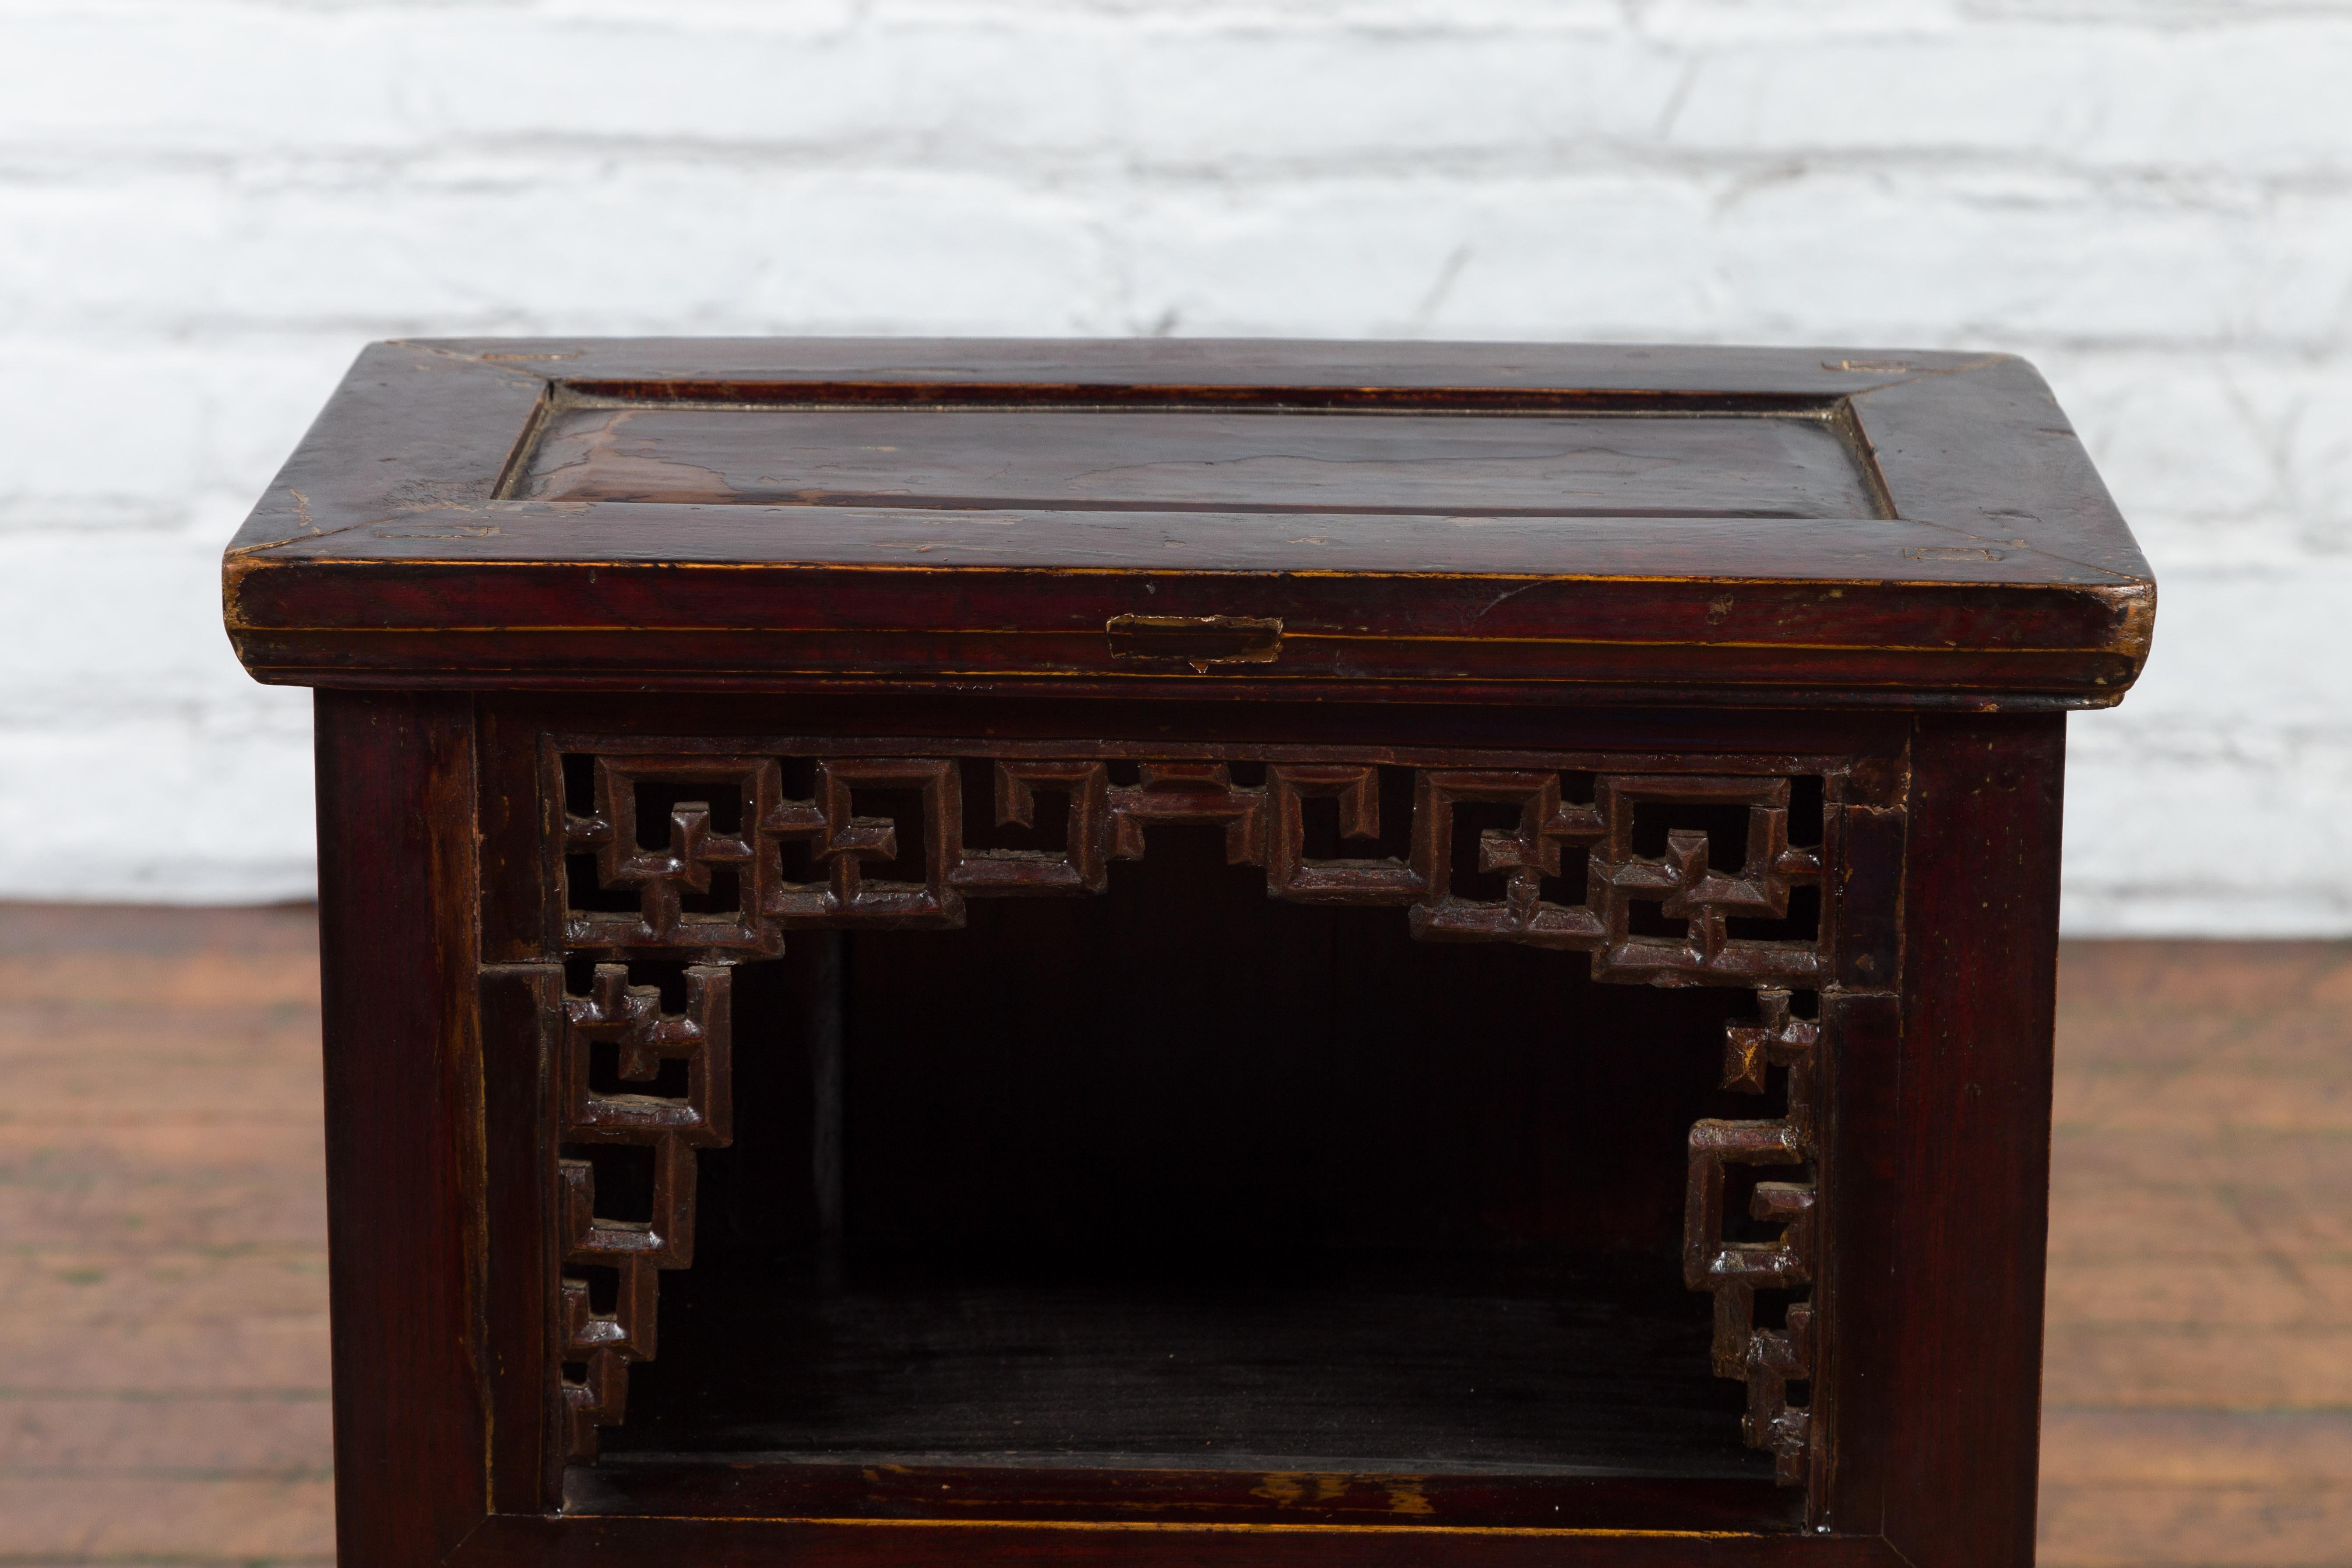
{"x":1187,"y":952}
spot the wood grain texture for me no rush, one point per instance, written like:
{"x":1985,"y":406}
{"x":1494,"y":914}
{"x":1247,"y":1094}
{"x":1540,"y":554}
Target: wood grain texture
{"x":936,"y":1492}
{"x":1370,"y":463}
{"x":396,"y":901}
{"x":1732,"y":525}
{"x":164,"y":1291}
{"x":2198,"y":1397}
{"x":1981,"y":928}
{"x":599,"y":1541}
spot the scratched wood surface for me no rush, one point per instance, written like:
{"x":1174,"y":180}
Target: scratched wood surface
{"x":1545,"y":524}
{"x":1424,"y":468}
{"x":163,"y":1295}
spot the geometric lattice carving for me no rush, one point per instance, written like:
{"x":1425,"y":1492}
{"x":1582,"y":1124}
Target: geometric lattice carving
{"x":1685,"y":887}
{"x":629,"y":1018}
{"x":820,"y":862}
{"x":1767,"y":1360}
{"x":1203,"y":793}
{"x":842,"y":843}
{"x":1264,"y":825}
{"x":691,"y":859}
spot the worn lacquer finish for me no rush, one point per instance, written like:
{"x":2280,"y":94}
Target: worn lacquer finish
{"x":1425,"y":467}
{"x":1603,"y":799}
{"x":1530,"y":524}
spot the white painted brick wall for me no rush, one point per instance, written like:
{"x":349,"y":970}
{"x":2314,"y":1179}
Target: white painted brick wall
{"x":206,"y":206}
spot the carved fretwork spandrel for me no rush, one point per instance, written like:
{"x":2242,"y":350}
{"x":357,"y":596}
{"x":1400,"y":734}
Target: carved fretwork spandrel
{"x":1661,"y":876}
{"x":1688,"y":889}
{"x":1203,"y":793}
{"x":1688,"y":937}
{"x":687,"y":866}
{"x":1077,"y":866}
{"x":1291,"y":875}
{"x":1768,"y":1360}
{"x":1523,"y":857}
{"x":629,"y":1019}
{"x":843,"y":843}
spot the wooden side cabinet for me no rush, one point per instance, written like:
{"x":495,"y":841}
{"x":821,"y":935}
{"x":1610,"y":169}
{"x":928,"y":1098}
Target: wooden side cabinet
{"x":1171,"y":953}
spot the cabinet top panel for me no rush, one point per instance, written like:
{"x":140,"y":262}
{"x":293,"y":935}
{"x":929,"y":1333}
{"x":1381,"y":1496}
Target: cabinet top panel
{"x":1179,"y":518}
{"x":1427,"y":468}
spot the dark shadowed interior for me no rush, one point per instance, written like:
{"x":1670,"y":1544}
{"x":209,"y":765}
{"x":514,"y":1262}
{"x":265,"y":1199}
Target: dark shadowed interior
{"x":1182,"y":1178}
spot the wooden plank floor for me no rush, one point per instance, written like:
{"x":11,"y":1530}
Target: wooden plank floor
{"x":2197,"y":1389}
{"x":162,"y":1297}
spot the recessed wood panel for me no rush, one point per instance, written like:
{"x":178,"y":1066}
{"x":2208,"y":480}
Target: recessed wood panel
{"x":1660,"y":464}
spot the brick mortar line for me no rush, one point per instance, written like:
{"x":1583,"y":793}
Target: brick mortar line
{"x":1047,"y":169}
{"x":2332,"y":349}
{"x":296,"y":345}
{"x":875,"y":23}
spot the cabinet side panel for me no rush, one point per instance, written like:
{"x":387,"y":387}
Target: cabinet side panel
{"x":1855,"y":1396}
{"x":521,"y":1008}
{"x":1981,"y":927}
{"x":521,"y":824}
{"x":396,"y":907}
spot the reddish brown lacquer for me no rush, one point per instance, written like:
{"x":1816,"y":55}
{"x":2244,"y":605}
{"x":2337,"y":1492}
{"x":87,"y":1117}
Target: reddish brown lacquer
{"x":1177,"y":952}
